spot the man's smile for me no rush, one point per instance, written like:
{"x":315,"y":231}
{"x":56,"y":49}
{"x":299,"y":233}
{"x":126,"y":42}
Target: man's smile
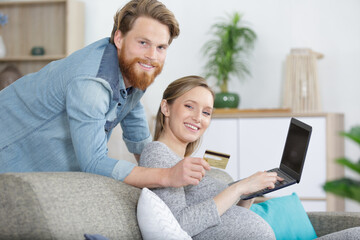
{"x":146,"y":66}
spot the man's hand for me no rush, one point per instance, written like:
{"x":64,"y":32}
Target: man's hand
{"x":188,"y":171}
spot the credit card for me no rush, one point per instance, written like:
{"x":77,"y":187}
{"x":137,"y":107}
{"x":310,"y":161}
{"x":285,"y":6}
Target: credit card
{"x":216,"y":159}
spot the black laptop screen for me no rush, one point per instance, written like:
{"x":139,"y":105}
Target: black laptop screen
{"x":295,"y":147}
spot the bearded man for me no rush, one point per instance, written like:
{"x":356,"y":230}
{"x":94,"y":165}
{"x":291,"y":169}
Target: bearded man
{"x":60,"y":118}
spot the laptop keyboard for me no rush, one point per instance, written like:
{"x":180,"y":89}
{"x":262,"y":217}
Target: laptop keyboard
{"x":277,"y":184}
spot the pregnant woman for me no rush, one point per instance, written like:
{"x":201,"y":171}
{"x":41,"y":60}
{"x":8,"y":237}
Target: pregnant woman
{"x":207,"y":210}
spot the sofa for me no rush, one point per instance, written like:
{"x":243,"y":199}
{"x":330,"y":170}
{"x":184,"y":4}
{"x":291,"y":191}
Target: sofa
{"x":66,"y":205}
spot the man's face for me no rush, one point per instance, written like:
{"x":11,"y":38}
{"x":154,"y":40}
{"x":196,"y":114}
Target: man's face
{"x":142,"y":51}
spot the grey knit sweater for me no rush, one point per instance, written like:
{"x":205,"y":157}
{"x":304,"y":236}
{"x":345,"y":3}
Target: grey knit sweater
{"x":194,"y":207}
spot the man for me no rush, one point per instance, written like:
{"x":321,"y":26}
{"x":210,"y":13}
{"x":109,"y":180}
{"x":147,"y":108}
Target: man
{"x":60,"y":118}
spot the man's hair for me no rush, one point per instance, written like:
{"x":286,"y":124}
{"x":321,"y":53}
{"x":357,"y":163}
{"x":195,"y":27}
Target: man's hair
{"x":175,"y":90}
{"x":125,"y":17}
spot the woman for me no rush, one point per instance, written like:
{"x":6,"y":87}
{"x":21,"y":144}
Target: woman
{"x":207,"y":210}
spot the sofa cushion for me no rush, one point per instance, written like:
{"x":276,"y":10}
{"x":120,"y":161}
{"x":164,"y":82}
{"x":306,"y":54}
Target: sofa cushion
{"x":287,"y":217}
{"x":156,"y":220}
{"x":66,"y":205}
{"x":329,"y":222}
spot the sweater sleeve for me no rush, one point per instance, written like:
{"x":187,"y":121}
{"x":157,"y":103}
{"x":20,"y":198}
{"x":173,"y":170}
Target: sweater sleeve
{"x":192,"y":218}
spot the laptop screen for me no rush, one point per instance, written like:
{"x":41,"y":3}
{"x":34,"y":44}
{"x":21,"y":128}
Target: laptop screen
{"x":296,"y":147}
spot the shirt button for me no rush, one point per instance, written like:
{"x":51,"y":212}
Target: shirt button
{"x":119,"y":104}
{"x":123,"y":93}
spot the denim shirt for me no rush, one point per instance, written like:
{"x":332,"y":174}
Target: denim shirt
{"x":60,"y":118}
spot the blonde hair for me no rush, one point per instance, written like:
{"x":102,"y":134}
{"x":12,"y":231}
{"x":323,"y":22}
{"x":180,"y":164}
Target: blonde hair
{"x":175,"y":90}
{"x":125,"y":17}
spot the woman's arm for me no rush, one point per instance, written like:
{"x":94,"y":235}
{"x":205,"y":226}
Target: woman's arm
{"x":193,"y":219}
{"x":255,"y":182}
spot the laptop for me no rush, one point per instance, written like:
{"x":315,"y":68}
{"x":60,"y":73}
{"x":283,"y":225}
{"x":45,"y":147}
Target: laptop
{"x":293,"y":158}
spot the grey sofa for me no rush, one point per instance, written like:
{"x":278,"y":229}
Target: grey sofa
{"x":68,"y":204}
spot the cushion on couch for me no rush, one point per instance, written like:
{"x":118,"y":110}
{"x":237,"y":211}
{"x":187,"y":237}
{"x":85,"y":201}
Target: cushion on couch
{"x":156,"y":220}
{"x":287,"y":217}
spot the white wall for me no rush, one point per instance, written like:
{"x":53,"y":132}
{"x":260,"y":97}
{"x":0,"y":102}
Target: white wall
{"x":330,"y":27}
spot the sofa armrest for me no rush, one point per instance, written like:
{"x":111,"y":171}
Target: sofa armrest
{"x":220,"y":175}
{"x":65,"y":205}
{"x":329,"y":222}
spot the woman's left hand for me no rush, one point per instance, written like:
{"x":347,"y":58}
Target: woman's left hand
{"x":246,"y":203}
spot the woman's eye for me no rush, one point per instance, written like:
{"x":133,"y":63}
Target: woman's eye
{"x":207,"y":113}
{"x":142,"y":43}
{"x":188,"y":106}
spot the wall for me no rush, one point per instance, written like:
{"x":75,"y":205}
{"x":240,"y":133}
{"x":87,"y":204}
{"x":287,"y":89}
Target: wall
{"x":330,"y":27}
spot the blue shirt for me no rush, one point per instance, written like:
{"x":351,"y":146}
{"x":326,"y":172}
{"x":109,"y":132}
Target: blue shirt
{"x":60,"y":118}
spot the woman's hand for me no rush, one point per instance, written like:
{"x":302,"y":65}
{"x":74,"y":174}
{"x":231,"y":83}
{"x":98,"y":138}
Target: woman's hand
{"x":255,"y":182}
{"x":246,"y":203}
{"x":259,"y":181}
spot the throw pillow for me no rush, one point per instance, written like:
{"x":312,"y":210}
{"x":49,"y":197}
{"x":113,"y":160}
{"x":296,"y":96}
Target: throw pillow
{"x":156,"y":220}
{"x":287,"y":217}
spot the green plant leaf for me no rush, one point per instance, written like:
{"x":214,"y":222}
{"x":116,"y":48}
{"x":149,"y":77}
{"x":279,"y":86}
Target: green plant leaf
{"x":344,"y":187}
{"x":346,"y":162}
{"x":228,"y":51}
{"x":353,"y":134}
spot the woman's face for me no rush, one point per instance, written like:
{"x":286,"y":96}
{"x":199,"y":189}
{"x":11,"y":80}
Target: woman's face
{"x":189,"y":116}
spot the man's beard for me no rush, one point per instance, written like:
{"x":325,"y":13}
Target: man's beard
{"x":138,"y":79}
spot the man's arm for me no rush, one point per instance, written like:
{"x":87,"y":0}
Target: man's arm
{"x":87,"y":102}
{"x":187,"y":171}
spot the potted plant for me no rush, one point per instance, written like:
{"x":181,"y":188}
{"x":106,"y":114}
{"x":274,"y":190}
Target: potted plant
{"x":347,"y":187}
{"x":227,"y":55}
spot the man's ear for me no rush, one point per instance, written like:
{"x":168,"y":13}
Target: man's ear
{"x":165,"y":108}
{"x":118,"y":37}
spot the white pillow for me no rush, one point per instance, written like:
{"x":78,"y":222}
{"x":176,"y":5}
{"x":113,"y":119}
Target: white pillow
{"x":155,"y":219}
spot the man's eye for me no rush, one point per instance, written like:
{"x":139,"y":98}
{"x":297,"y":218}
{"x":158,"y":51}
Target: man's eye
{"x":142,"y":42}
{"x":162,"y":47}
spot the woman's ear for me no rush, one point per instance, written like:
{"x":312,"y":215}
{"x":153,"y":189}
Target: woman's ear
{"x":165,"y":108}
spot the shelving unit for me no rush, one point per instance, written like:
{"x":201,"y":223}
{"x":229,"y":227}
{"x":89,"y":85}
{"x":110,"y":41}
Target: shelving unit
{"x":55,"y":25}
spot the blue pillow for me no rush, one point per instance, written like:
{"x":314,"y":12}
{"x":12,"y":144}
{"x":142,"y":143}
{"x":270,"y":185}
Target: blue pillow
{"x":287,"y":217}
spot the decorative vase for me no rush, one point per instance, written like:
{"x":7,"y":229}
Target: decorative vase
{"x":37,"y":51}
{"x":226,"y":100}
{"x":2,"y":48}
